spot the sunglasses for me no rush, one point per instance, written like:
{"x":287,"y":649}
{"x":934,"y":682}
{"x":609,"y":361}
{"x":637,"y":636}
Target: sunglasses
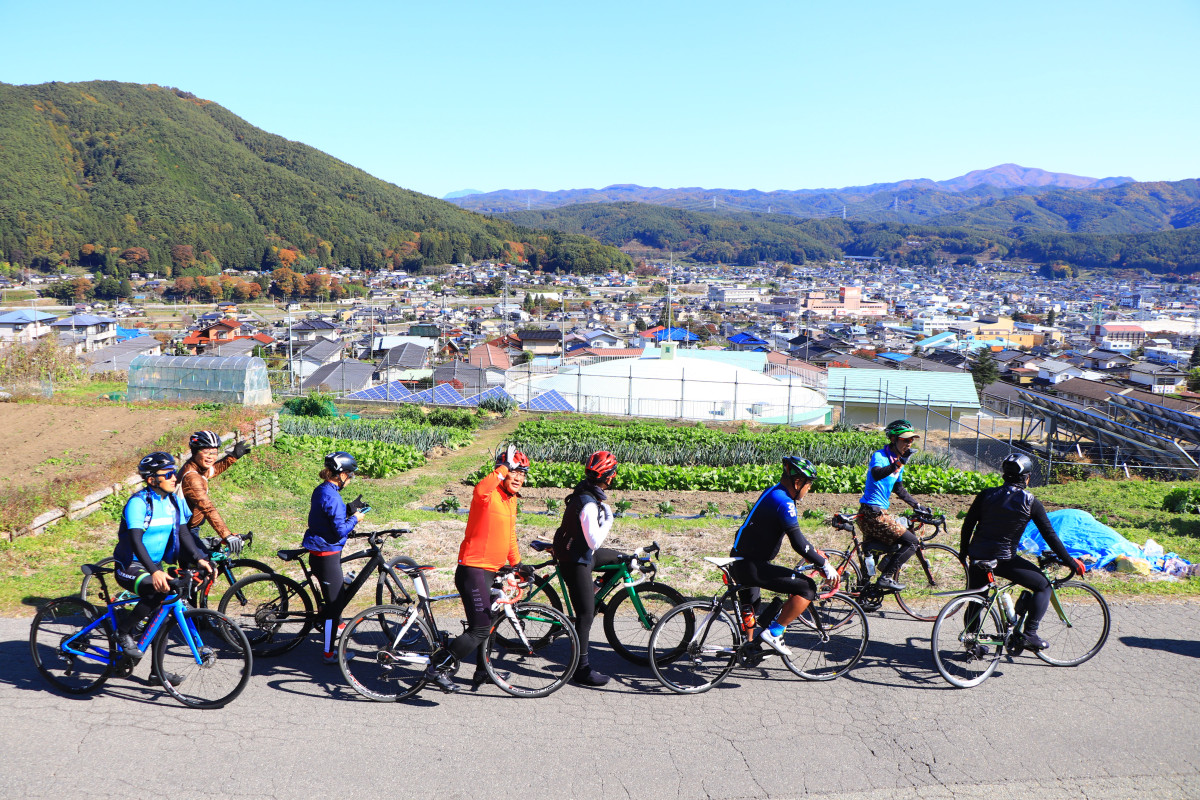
{"x":170,"y":473}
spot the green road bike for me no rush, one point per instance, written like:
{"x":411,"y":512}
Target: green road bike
{"x":977,"y":627}
{"x":627,"y":595}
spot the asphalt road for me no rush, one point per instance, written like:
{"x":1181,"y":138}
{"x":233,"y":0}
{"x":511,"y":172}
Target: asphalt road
{"x":1125,"y":724}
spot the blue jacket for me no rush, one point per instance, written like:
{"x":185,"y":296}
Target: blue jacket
{"x":153,"y":531}
{"x":771,"y":519}
{"x":328,"y":523}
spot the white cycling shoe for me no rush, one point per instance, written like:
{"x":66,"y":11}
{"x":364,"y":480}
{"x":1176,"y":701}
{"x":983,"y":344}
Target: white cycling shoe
{"x":775,"y":643}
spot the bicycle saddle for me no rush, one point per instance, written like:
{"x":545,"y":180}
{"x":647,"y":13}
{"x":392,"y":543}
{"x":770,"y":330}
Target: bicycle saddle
{"x":989,"y":565}
{"x":540,"y":546}
{"x":95,"y":569}
{"x":288,"y":555}
{"x":722,"y":562}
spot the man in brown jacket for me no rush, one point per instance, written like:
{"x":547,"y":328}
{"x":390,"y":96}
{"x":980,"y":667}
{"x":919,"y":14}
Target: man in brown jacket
{"x":194,"y":477}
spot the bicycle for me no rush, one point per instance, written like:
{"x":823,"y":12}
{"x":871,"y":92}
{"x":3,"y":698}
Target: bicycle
{"x":976,"y":627}
{"x":74,"y":645}
{"x":631,"y":613}
{"x":277,"y":612}
{"x":696,"y":644}
{"x":231,"y":569}
{"x":926,"y":576}
{"x":532,"y":649}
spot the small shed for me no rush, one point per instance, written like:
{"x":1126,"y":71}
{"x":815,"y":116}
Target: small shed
{"x":240,"y":380}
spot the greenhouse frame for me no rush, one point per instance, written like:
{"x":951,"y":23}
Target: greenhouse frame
{"x":238,"y":380}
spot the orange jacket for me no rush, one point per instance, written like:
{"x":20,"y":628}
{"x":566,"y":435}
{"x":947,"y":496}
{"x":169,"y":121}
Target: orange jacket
{"x":491,"y":540}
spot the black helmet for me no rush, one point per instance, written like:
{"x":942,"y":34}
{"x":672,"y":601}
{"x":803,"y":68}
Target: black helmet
{"x":341,"y":461}
{"x":795,"y":466}
{"x":202,"y":440}
{"x":154,"y":462}
{"x":1016,"y":465}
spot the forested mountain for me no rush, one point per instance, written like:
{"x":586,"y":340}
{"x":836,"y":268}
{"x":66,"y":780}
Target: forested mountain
{"x":903,"y":201}
{"x":118,"y":175}
{"x":745,"y":238}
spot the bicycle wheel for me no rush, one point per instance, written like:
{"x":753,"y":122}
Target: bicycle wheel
{"x":920,"y":596}
{"x":822,"y":652}
{"x":226,"y":578}
{"x":1080,"y":630}
{"x":273,"y":611}
{"x":387,"y":594}
{"x":219,"y":668}
{"x":712,"y":638}
{"x":384,"y":651}
{"x":551,"y":597}
{"x":73,"y":661}
{"x":624,"y":627}
{"x":967,"y":641}
{"x":533,"y":654}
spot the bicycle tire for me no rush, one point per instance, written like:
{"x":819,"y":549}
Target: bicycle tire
{"x":552,"y":598}
{"x":274,"y":611}
{"x":240,"y":568}
{"x":829,"y":652}
{"x":1089,"y":618}
{"x":225,"y":659}
{"x":58,"y":621}
{"x":394,"y":597}
{"x":91,"y":583}
{"x":625,"y":630}
{"x":959,"y":655}
{"x":920,"y":599}
{"x":375,"y":663}
{"x":713,"y":641}
{"x":540,"y":668}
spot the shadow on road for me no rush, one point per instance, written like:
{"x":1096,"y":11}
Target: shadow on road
{"x":1179,"y":647}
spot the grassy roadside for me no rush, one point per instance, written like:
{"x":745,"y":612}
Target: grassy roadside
{"x":268,"y":493}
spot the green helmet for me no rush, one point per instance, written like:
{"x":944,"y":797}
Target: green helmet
{"x":795,"y":466}
{"x":899,"y":428}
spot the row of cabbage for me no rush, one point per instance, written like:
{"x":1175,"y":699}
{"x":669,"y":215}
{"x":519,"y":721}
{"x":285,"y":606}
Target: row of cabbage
{"x":749,"y":478}
{"x":568,"y":440}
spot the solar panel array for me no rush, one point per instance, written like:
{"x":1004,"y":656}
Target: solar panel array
{"x":443,"y":394}
{"x":494,"y":392}
{"x":389,"y":391}
{"x":1146,"y":447}
{"x":548,"y":401}
{"x":1161,"y":419}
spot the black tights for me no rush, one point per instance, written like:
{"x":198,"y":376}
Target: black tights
{"x":474,"y":584}
{"x":1022,"y":573}
{"x":582,"y":592}
{"x":328,"y":570}
{"x":904,"y":548}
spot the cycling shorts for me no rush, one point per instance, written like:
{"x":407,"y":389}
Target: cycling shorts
{"x":773,"y":578}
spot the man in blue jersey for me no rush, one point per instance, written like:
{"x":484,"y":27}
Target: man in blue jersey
{"x":153,"y":532}
{"x":758,"y":541}
{"x":884,"y":476}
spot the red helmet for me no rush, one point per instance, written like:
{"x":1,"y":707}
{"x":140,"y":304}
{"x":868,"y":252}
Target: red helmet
{"x":520,"y":461}
{"x":600,"y":464}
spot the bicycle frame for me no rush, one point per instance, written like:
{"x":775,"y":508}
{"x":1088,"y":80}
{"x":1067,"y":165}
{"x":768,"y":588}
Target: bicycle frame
{"x":173,"y":606}
{"x":376,"y":563}
{"x":618,"y":574}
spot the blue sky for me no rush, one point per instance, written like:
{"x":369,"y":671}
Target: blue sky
{"x":438,"y":97}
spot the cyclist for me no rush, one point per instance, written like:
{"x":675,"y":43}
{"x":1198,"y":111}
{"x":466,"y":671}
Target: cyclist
{"x":883,"y":480}
{"x":587,"y":521}
{"x":330,"y":521}
{"x":194,"y":477}
{"x":758,"y":541}
{"x":153,"y":532}
{"x":994,"y":524}
{"x":490,"y":543}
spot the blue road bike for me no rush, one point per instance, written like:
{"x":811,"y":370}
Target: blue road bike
{"x":204,"y":658}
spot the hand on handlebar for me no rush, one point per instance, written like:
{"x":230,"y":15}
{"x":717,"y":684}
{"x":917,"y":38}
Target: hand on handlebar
{"x":235,"y":544}
{"x":162,"y":583}
{"x":1078,"y":566}
{"x":831,"y":574}
{"x":524,"y":571}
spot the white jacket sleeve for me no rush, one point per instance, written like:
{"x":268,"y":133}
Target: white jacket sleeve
{"x":596,"y":522}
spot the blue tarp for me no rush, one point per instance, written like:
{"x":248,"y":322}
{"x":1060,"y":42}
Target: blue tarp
{"x":1083,"y":536}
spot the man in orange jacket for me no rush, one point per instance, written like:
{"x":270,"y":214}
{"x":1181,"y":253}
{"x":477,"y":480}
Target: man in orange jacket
{"x":490,"y":543}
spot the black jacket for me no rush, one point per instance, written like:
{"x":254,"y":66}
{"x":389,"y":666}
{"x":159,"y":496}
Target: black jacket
{"x":997,"y":519}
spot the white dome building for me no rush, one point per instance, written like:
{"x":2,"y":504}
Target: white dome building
{"x":669,"y":384}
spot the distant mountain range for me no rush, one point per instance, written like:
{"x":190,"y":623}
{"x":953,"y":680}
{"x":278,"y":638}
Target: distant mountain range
{"x":907,"y":200}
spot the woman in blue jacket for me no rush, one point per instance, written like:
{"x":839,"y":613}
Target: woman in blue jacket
{"x":330,"y":522}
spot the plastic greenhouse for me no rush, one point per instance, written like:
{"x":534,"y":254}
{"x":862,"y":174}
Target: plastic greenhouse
{"x":240,"y":379}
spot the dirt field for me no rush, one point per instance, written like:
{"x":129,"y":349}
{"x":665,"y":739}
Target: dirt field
{"x":47,"y":441}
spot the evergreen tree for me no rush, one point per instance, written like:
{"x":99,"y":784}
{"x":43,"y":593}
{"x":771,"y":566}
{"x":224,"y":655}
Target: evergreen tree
{"x":1194,"y":361}
{"x":1051,"y":317}
{"x":984,"y":370}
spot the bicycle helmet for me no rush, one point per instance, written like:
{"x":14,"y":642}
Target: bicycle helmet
{"x":902,"y":428}
{"x":795,"y":466}
{"x":341,"y":461}
{"x":202,"y":440}
{"x":1015,"y":466}
{"x":154,"y":462}
{"x":600,"y":464}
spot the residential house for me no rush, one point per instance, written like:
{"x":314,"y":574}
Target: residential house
{"x":312,"y":329}
{"x":1157,"y":378}
{"x":467,"y":379}
{"x":340,"y":377}
{"x":116,"y":357}
{"x":1052,"y":373}
{"x":540,"y":341}
{"x":25,"y":325}
{"x":318,"y":354}
{"x":489,"y":356}
{"x":748,"y":341}
{"x":85,"y":332}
